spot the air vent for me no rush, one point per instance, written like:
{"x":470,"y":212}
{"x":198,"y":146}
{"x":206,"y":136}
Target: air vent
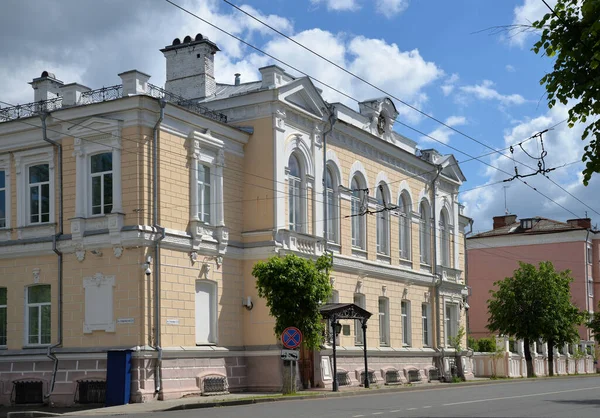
{"x":91,"y":392}
{"x":28,"y":392}
{"x":434,"y":374}
{"x":343,"y":378}
{"x":392,"y":377}
{"x":214,"y":385}
{"x":372,"y":378}
{"x":414,"y":376}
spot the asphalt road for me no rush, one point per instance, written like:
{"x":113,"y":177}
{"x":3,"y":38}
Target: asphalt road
{"x":566,"y":397}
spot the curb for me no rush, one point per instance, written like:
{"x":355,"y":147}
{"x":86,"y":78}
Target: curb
{"x":31,"y":414}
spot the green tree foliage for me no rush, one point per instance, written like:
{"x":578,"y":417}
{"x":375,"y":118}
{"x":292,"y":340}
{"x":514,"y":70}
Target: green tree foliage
{"x":571,"y":35}
{"x":534,"y":304}
{"x":456,"y":343}
{"x":593,"y":323}
{"x":293,"y":288}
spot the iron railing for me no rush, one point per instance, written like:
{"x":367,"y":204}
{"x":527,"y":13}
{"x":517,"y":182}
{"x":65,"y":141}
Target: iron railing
{"x":191,"y":105}
{"x":105,"y":94}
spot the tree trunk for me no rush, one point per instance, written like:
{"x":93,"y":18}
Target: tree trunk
{"x":458,"y":364}
{"x":289,"y":377}
{"x":528,"y":359}
{"x":550,"y":357}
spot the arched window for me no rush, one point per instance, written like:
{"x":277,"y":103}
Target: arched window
{"x":295,"y":218}
{"x":425,"y":233}
{"x":404,"y":210}
{"x":383,"y":221}
{"x":358,"y":220}
{"x":445,"y":238}
{"x":333,"y":219}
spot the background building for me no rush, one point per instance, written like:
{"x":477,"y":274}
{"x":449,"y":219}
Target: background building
{"x":133,"y":216}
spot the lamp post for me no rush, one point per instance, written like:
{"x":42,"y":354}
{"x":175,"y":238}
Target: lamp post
{"x":336,"y":328}
{"x":364,"y":329}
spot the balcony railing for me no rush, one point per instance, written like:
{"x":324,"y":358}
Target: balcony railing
{"x":449,"y":274}
{"x":104,"y":94}
{"x":302,"y":243}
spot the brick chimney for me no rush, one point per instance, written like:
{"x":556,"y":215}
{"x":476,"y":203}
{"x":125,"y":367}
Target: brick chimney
{"x":46,"y":87}
{"x":580,"y":223}
{"x":504,"y":220}
{"x":191,"y":67}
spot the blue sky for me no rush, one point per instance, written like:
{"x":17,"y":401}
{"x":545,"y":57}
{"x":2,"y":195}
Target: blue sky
{"x":429,"y":53}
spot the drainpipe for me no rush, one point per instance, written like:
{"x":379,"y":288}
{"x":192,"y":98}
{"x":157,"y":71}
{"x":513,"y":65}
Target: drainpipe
{"x":466,"y":267}
{"x":587,"y":283}
{"x":332,"y":121}
{"x":157,"y":227}
{"x":437,"y":278}
{"x":55,"y":238}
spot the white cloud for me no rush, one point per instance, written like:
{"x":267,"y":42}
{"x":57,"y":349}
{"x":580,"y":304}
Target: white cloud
{"x":510,"y":68}
{"x":484,"y":91}
{"x":442,"y":133}
{"x":449,"y":84}
{"x":339,"y":5}
{"x":526,"y":14}
{"x":390,"y":8}
{"x":564,"y":146}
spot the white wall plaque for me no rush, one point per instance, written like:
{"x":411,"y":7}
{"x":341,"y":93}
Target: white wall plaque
{"x":99,"y":303}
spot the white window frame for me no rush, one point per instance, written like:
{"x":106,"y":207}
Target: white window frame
{"x":384,"y":321}
{"x":214,"y":311}
{"x":445,"y":228}
{"x":361,"y":300}
{"x":332,"y":207}
{"x":383,"y":224}
{"x":24,"y":160}
{"x":406,"y":323}
{"x":405,"y":226}
{"x":425,"y":233}
{"x":426,"y":324}
{"x":101,"y":175}
{"x":296,"y":195}
{"x":208,"y":151}
{"x":5,"y":325}
{"x":39,"y":306}
{"x":205,"y":215}
{"x":359,"y":232}
{"x":39,"y":186}
{"x":5,"y":168}
{"x":451,"y":322}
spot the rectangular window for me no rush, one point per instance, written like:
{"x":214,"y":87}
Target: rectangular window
{"x":384,"y":321}
{"x":405,"y":313}
{"x":360,"y":301}
{"x":39,"y":193}
{"x":426,"y":327}
{"x":204,"y":201}
{"x":451,"y":321}
{"x":589,"y":255}
{"x":102,"y":183}
{"x":404,"y":237}
{"x":3,"y":199}
{"x":3,"y":318}
{"x":38,"y":315}
{"x":332,"y":216}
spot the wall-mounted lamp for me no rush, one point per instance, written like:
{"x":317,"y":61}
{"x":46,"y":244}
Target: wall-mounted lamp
{"x":247,"y":303}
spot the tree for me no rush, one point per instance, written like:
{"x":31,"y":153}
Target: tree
{"x":560,"y":324}
{"x":535,"y":304}
{"x":456,"y":343}
{"x":571,"y":34}
{"x":593,"y":323}
{"x":293,"y":288}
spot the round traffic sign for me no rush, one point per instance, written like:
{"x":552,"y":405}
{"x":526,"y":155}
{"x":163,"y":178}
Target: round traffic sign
{"x":291,"y":337}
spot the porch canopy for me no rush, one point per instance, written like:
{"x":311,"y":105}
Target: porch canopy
{"x":332,"y":312}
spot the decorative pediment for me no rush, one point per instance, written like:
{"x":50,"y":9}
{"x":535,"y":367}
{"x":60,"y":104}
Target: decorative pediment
{"x":95,"y":126}
{"x":302,"y":94}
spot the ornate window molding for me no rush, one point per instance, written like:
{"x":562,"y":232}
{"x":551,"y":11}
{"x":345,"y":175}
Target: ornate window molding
{"x":99,"y":303}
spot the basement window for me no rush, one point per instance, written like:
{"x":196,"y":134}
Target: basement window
{"x":28,"y":392}
{"x":91,"y":392}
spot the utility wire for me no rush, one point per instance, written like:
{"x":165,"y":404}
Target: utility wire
{"x":362,"y":79}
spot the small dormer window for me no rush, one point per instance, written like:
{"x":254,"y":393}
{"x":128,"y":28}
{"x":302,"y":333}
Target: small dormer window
{"x":526,"y":223}
{"x":381,"y":124}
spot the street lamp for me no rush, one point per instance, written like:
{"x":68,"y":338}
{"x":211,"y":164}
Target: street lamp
{"x":336,"y":327}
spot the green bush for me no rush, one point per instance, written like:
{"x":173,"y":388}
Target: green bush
{"x":487,"y":345}
{"x":472,"y":344}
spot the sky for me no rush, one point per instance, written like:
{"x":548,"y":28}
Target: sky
{"x":441,"y":57}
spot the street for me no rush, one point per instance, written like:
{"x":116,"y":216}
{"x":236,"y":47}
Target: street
{"x":561,"y":397}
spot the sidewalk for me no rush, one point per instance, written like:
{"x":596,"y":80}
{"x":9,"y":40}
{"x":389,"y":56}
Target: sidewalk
{"x":233,"y":399}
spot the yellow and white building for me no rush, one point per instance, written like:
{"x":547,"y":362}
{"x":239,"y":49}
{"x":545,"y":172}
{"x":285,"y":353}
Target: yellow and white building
{"x":131,"y":218}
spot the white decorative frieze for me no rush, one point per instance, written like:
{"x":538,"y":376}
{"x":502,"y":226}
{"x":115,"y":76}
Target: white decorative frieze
{"x":118,"y":251}
{"x":36,"y":276}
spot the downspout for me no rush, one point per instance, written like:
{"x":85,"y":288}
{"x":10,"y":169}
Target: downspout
{"x":437,"y":278}
{"x":55,"y":238}
{"x":466,"y":267}
{"x":587,"y":283}
{"x":157,"y":227}
{"x":332,"y":121}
